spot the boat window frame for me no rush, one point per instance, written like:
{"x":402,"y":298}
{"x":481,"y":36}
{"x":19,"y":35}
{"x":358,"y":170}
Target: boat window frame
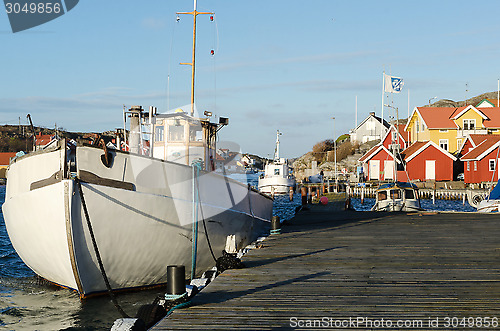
{"x":393,"y":194}
{"x":409,"y":191}
{"x":382,"y":195}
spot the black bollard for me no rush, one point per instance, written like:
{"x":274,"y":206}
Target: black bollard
{"x":275,"y":225}
{"x":176,"y":279}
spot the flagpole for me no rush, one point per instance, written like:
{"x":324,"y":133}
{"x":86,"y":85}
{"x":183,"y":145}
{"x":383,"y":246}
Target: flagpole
{"x":382,"y":118}
{"x":356,"y":116}
{"x":408,"y":118}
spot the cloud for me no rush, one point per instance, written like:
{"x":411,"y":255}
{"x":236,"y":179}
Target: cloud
{"x":153,"y":23}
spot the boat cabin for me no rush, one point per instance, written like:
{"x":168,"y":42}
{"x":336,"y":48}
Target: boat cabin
{"x":176,"y":137}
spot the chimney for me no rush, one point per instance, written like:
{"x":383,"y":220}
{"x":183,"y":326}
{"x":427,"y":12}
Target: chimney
{"x":372,"y":113}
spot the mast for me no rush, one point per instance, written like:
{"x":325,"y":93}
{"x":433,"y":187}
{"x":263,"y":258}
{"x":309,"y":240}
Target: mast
{"x":193,"y":59}
{"x":277,"y":149}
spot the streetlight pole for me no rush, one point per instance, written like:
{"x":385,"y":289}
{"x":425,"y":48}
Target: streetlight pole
{"x":431,"y":100}
{"x":335,"y":154}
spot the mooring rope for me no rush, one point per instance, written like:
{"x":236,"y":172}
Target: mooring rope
{"x":96,"y":250}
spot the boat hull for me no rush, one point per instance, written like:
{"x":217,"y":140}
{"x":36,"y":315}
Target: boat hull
{"x":275,"y":185}
{"x":141,"y":211}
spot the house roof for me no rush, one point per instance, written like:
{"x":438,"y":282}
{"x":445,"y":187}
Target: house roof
{"x":419,"y":146}
{"x":374,"y":151}
{"x":493,"y":114}
{"x":5,"y":158}
{"x":43,"y":139}
{"x":492,"y":102}
{"x":369,"y":153}
{"x":402,"y":134}
{"x":462,"y":110}
{"x":376,"y":118}
{"x":482,"y":149}
{"x":437,"y":117}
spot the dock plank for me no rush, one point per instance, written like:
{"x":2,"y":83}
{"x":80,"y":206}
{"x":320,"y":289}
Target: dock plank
{"x":345,"y":264}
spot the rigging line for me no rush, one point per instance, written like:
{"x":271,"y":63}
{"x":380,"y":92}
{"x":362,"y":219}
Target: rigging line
{"x":96,"y":251}
{"x":204,"y":223}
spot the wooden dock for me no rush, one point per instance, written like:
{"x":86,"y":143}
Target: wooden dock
{"x":348,"y":269}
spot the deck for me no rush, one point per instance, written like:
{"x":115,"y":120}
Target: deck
{"x":336,"y":268}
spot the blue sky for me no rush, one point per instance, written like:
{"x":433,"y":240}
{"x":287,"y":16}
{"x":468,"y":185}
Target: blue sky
{"x":288,"y":65}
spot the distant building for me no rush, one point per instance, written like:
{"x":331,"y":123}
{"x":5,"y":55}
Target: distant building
{"x":481,"y":158}
{"x":378,"y":162}
{"x":4,"y":162}
{"x":44,"y":140}
{"x":488,"y":103}
{"x":372,"y":128}
{"x":448,"y":127}
{"x":425,"y":161}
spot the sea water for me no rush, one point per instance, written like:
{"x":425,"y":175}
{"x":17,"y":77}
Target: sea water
{"x":26,"y":303}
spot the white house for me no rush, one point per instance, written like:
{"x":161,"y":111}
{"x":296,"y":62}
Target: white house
{"x":368,"y":130}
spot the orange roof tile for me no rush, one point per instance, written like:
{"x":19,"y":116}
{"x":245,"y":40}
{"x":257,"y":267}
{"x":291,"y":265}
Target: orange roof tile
{"x":438,"y":117}
{"x":5,"y":158}
{"x":413,"y":148}
{"x":483,"y":149}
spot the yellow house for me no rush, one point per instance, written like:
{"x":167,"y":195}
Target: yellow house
{"x":448,"y":127}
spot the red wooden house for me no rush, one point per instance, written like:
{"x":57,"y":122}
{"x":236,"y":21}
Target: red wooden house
{"x":425,"y":160}
{"x":480,"y":162}
{"x":378,"y":162}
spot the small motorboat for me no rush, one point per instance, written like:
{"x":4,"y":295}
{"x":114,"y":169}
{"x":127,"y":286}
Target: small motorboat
{"x":397,"y":196}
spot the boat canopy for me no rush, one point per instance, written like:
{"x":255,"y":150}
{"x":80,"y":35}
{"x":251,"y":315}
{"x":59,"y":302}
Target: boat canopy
{"x":495,"y":193}
{"x":402,"y":185}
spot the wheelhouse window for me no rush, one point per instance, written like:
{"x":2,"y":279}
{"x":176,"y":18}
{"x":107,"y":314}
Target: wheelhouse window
{"x":409,"y":194}
{"x":159,"y":132}
{"x":195,"y":133}
{"x":277,"y":172}
{"x":382,"y":195}
{"x":395,"y":194}
{"x":176,"y":133}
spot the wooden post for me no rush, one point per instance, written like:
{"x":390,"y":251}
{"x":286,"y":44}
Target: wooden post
{"x":303,"y":193}
{"x":290,"y":192}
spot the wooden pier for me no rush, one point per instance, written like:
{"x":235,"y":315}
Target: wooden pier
{"x":340,"y":267}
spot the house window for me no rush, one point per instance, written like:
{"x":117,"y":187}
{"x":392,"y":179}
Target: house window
{"x":417,"y":127}
{"x":475,"y":165}
{"x":468,"y":166}
{"x":159,"y":133}
{"x":423,"y":126}
{"x":443,"y":143}
{"x":459,"y":143}
{"x":492,"y":164}
{"x":469,"y":124}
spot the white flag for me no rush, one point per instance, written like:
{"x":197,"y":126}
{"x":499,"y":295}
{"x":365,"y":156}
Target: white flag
{"x":393,"y":84}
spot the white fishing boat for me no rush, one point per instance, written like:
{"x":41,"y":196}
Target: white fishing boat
{"x":397,"y":196}
{"x":79,"y":215}
{"x":277,"y":178}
